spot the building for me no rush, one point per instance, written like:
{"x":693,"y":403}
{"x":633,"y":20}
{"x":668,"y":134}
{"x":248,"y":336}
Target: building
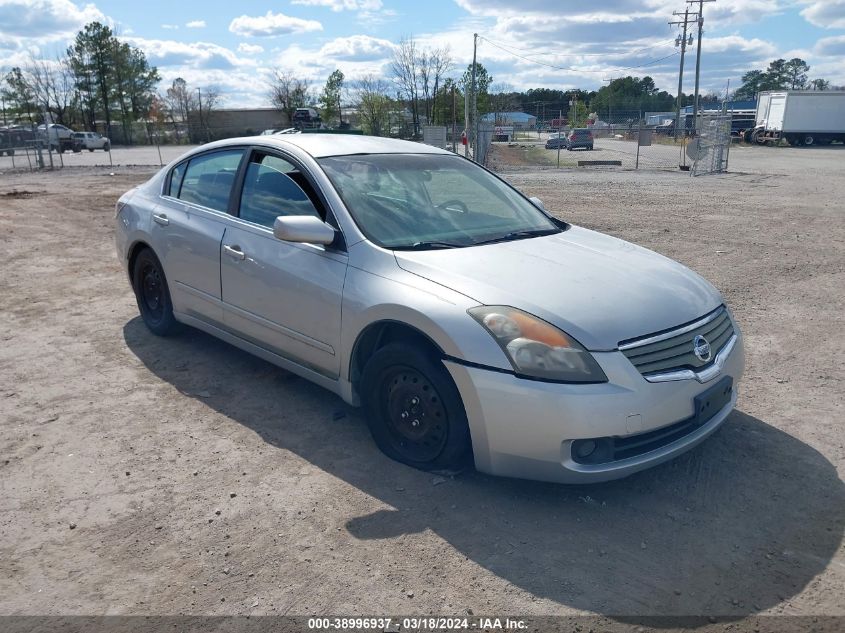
{"x":231,"y":122}
{"x":520,"y":120}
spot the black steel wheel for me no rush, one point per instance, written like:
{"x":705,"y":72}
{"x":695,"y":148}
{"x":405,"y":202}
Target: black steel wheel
{"x":152,"y":294}
{"x":414,"y":410}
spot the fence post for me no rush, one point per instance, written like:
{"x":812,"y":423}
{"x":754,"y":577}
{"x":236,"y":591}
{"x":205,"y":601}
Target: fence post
{"x":639,"y":141}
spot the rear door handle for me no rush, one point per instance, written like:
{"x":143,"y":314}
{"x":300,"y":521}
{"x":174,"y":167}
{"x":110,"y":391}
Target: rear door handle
{"x":160,"y":218}
{"x":234,"y":251}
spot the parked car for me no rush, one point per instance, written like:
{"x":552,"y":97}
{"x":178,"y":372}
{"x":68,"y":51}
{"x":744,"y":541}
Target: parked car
{"x":579,"y":137}
{"x":92,"y":141}
{"x":471,"y":324}
{"x":556,"y":142}
{"x":306,"y":117}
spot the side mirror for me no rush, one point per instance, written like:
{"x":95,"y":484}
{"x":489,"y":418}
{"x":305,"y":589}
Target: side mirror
{"x":303,"y":228}
{"x":537,"y":202}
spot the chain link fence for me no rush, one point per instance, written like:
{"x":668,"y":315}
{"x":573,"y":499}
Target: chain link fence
{"x":711,"y":148}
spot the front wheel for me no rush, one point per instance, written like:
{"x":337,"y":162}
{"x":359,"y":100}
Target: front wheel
{"x":414,"y":410}
{"x":152,"y":294}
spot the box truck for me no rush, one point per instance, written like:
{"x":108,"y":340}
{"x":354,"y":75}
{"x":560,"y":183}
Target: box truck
{"x":802,"y":117}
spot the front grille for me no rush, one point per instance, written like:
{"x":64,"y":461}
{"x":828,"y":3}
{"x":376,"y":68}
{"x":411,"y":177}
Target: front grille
{"x":673,"y":350}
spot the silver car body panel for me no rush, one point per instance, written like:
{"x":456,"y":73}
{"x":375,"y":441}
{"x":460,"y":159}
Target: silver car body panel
{"x":304,"y":308}
{"x":562,"y":278}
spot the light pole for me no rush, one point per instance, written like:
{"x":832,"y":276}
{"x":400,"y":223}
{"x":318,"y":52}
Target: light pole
{"x":609,"y":110}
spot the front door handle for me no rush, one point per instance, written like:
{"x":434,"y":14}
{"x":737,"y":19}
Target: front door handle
{"x":234,"y":251}
{"x":160,"y":218}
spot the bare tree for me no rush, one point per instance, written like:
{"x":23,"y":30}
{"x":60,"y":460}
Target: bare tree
{"x":178,"y":101}
{"x":208,"y":99}
{"x":371,"y":97}
{"x":287,"y":93}
{"x":405,"y":71}
{"x":433,"y":65}
{"x":52,"y":84}
{"x":502,"y":99}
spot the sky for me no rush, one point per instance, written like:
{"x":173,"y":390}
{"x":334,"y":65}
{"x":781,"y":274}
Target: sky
{"x":562,"y":44}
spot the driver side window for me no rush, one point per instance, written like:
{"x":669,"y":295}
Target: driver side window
{"x":271,"y":189}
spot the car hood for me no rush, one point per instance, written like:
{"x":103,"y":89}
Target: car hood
{"x":597,"y":288}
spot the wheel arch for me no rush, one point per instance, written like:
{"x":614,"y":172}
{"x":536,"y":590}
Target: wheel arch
{"x":380,"y":333}
{"x":132,"y":255}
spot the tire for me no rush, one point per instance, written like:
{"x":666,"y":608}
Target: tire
{"x":11,"y":152}
{"x":153,"y":294}
{"x":106,"y":147}
{"x":91,"y":149}
{"x":414,"y":411}
{"x":808,"y":140}
{"x":590,"y":148}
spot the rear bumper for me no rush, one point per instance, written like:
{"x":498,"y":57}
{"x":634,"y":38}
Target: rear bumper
{"x":523,"y":428}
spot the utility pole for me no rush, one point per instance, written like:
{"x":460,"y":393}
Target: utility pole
{"x":698,"y":60}
{"x":454,"y":121}
{"x":683,"y":43}
{"x":474,"y":100}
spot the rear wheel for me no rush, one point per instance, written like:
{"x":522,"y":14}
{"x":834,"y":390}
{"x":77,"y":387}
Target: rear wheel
{"x":152,"y":294}
{"x":414,"y":410}
{"x":809,"y":140}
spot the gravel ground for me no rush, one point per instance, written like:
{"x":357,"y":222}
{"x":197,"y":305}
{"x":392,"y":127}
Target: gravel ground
{"x":182,"y":476}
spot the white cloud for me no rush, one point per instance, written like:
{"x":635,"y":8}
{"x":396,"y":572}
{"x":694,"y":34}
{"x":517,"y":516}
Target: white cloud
{"x":250,"y":49}
{"x":272,"y":24}
{"x":196,"y":24}
{"x":342,"y":5}
{"x":357,"y":48}
{"x":831,"y":46}
{"x":200,"y":55}
{"x":170,"y":27}
{"x":27,"y":21}
{"x":827,"y":14}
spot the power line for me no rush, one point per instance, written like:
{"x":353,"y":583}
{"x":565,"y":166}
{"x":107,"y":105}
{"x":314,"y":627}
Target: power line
{"x":572,"y":68}
{"x":636,"y":50}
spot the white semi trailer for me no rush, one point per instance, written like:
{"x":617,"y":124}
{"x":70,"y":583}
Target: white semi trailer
{"x":802,"y":117}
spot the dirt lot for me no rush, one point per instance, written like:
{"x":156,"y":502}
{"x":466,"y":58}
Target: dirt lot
{"x":149,"y":476}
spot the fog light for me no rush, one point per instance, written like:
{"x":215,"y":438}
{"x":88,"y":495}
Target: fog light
{"x":585,"y":448}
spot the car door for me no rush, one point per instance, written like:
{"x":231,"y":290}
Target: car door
{"x":187,"y":228}
{"x":283,"y":296}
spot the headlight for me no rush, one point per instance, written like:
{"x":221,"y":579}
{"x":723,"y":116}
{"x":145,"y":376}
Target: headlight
{"x":537,"y":349}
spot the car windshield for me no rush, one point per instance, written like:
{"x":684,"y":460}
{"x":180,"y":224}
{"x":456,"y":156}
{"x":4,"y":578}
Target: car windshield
{"x":403,"y":201}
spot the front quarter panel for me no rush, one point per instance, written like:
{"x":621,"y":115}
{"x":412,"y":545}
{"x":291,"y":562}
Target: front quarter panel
{"x":378,"y":290}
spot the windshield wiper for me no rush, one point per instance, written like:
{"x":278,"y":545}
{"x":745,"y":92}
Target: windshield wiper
{"x":519,"y":235}
{"x":424,"y":246}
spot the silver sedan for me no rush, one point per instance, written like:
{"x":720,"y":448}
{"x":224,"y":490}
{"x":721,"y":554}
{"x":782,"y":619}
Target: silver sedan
{"x":471,"y":325}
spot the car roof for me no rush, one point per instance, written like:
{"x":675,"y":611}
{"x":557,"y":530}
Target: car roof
{"x":323,"y":145}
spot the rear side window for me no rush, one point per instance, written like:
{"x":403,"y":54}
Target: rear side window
{"x":209,"y":178}
{"x":271,"y":189}
{"x":176,"y":177}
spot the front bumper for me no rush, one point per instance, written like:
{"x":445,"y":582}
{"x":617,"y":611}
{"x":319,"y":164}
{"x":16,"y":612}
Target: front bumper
{"x":524,"y":428}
